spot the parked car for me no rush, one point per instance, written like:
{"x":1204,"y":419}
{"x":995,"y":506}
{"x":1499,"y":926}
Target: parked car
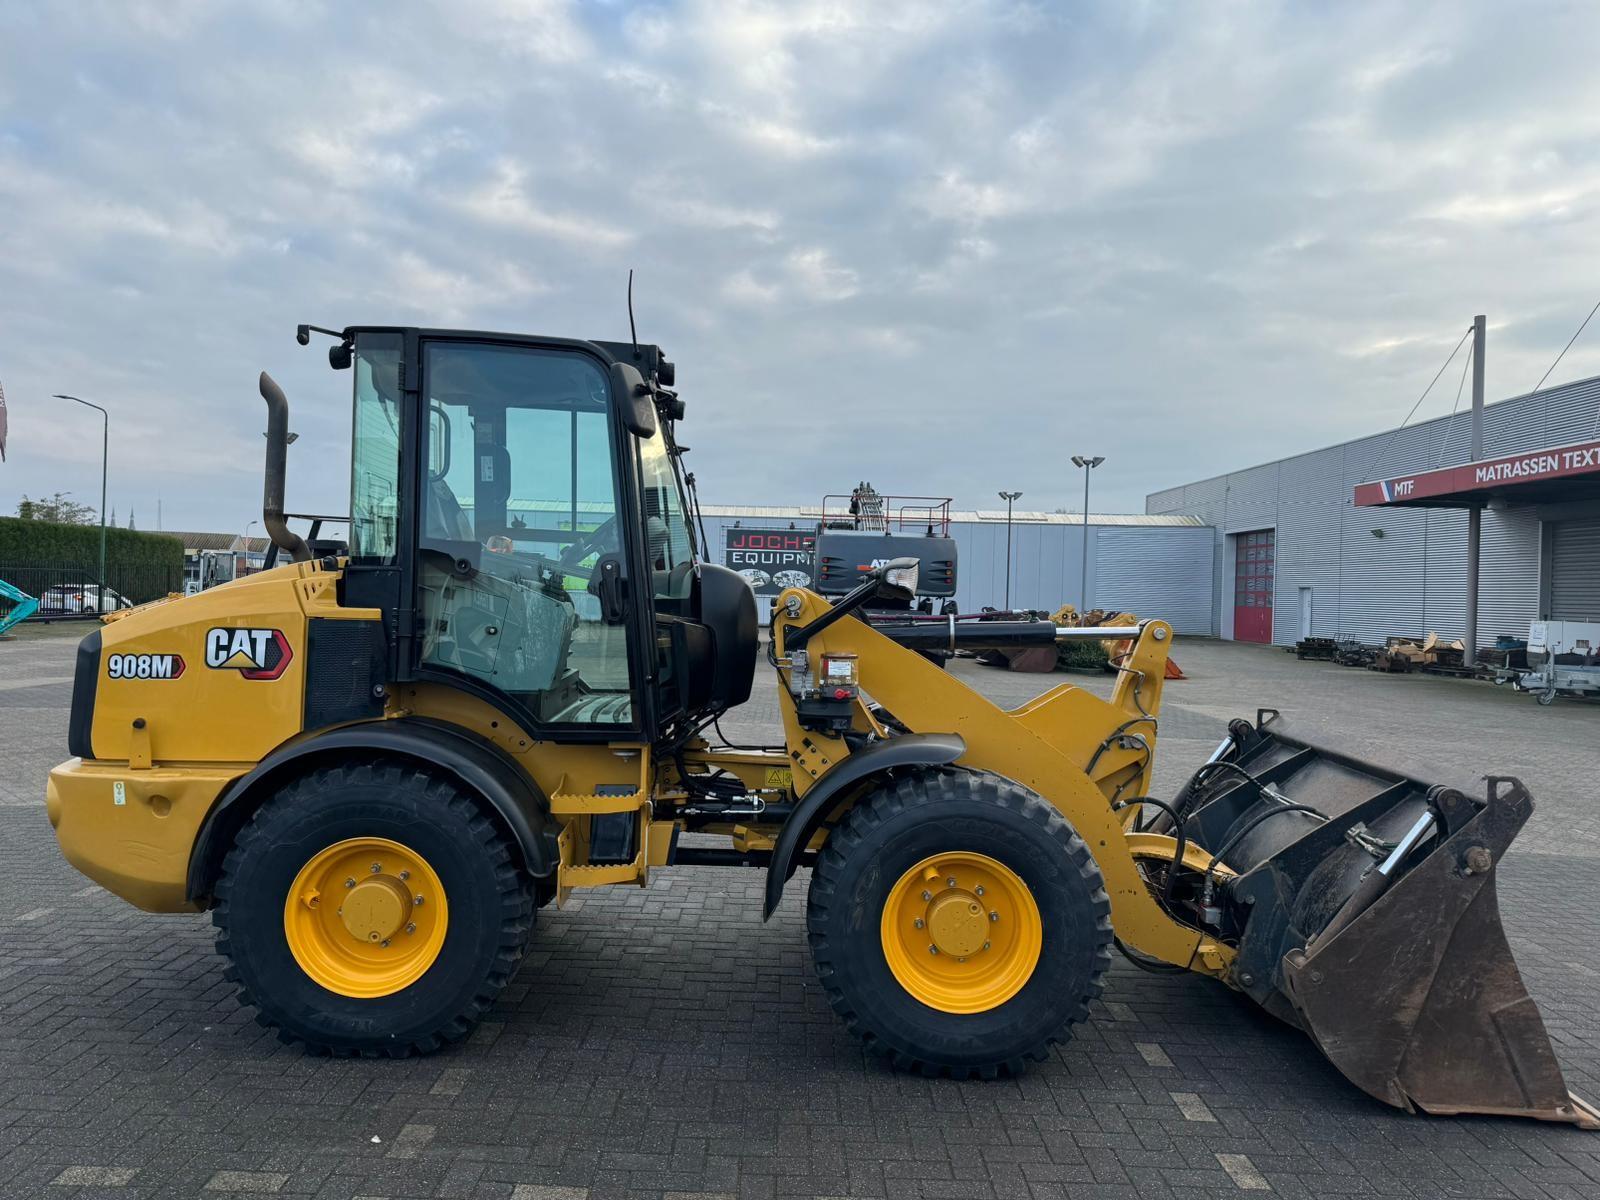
{"x":70,"y":598}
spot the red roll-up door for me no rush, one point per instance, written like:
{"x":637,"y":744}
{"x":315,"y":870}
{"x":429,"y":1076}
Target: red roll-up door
{"x":1253,"y":577}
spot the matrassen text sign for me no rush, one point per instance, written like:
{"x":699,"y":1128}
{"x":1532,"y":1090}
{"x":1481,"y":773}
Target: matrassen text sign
{"x":1558,"y":462}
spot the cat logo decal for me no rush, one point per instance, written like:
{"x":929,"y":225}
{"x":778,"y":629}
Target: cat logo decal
{"x":254,"y":653}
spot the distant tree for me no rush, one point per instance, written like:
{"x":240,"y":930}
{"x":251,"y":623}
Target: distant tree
{"x":57,"y":509}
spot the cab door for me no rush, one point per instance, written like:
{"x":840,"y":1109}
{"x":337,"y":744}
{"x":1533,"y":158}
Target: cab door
{"x":523,"y":534}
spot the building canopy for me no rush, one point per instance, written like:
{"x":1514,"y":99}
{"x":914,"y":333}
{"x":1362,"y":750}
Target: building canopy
{"x":1549,"y":476}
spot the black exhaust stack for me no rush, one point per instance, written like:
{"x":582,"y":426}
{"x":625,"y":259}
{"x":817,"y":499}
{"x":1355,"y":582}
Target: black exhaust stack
{"x":277,"y":467}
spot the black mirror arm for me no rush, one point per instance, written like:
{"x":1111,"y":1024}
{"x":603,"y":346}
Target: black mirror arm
{"x":847,"y":604}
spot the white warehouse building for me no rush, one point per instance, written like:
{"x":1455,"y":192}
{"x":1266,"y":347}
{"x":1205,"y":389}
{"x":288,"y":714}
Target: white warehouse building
{"x":1368,"y":539}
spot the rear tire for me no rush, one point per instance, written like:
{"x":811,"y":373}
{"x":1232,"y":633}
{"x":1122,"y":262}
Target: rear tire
{"x":940,"y":1014}
{"x":320,"y":983}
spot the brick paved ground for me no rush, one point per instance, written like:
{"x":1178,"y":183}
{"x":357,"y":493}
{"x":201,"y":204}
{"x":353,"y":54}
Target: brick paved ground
{"x":667,"y":1043}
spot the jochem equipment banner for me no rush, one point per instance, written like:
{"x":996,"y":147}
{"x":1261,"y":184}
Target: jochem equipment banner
{"x":770,"y":559}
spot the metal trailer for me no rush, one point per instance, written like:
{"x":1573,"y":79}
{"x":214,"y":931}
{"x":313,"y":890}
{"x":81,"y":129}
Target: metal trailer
{"x":1551,"y":642}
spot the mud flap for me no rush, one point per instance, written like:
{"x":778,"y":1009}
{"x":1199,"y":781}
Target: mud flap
{"x":1418,"y":1000}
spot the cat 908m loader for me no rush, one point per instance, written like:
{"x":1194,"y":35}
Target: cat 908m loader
{"x":374,"y":763}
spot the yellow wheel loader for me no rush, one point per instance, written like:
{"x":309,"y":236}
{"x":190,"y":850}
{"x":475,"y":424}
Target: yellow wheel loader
{"x":374,"y":763}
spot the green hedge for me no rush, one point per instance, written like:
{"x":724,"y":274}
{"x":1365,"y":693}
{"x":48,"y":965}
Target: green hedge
{"x":141,"y":566}
{"x":1082,"y":656}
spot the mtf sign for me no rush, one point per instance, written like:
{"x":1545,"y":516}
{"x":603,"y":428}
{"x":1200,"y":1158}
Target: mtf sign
{"x":1489,"y":474}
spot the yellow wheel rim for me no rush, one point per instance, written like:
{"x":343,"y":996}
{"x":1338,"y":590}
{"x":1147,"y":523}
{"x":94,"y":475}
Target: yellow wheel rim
{"x":366,"y":917}
{"x":961,"y":932}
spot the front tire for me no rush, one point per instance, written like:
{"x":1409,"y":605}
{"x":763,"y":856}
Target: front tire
{"x":371,"y":909}
{"x":958,"y":924}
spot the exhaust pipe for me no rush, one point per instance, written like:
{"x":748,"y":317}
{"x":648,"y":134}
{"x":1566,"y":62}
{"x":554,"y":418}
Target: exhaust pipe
{"x":277,"y":467}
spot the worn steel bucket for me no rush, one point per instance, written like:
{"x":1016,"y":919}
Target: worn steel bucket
{"x":1364,"y":911}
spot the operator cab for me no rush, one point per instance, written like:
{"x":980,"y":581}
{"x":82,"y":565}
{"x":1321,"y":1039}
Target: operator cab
{"x":518,"y":511}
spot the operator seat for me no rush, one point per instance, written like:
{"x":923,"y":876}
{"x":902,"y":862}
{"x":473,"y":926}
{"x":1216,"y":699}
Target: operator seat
{"x":443,"y":516}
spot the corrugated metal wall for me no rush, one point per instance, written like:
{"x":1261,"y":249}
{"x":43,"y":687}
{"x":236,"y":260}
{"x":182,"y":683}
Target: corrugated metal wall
{"x":1162,"y":573}
{"x":1575,"y":573}
{"x":1374,"y":572}
{"x":1155,"y":570}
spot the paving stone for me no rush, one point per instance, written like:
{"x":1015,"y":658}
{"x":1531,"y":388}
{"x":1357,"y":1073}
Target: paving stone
{"x":1241,"y":1170}
{"x":246,"y":1181}
{"x":410,"y":1141}
{"x":1192,"y":1107}
{"x":1153,"y":1054}
{"x":114,"y":1177}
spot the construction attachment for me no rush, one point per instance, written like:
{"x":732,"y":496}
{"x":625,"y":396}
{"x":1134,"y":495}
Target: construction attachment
{"x":16,"y":606}
{"x":1362,"y":903}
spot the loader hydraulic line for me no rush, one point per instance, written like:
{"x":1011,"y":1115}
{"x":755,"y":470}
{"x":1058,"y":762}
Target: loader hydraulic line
{"x":1376,"y":879}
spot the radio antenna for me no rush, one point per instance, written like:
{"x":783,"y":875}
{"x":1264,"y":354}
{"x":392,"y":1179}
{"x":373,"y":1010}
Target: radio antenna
{"x":633,"y":330}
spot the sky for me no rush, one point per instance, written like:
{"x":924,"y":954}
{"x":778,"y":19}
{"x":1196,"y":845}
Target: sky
{"x":941,"y":247}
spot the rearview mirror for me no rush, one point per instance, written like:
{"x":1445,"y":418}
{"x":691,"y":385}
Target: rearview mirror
{"x":897,"y":578}
{"x":634,"y":400}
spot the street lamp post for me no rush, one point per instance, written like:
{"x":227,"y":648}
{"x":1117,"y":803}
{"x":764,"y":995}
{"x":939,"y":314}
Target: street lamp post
{"x":1088,"y":464}
{"x":1009,"y":498}
{"x":248,"y":525}
{"x":105,"y":450}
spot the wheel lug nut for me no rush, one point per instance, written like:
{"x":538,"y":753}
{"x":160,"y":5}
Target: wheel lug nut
{"x":412,"y":928}
{"x":951,"y":881}
{"x":986,"y":945}
{"x":349,"y":883}
{"x":385,"y":941}
{"x":918,"y":922}
{"x":927,"y":895}
{"x":979,"y":889}
{"x":405,"y":874}
{"x":377,"y":867}
{"x":994,"y":916}
{"x":418,"y":900}
{"x":933,"y":949}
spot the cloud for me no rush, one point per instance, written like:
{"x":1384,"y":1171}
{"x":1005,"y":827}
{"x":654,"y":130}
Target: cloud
{"x":819,"y":277}
{"x":503,"y":200}
{"x":1246,"y":229}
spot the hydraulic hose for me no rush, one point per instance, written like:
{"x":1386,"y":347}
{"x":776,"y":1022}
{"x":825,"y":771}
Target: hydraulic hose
{"x":1181,"y":835}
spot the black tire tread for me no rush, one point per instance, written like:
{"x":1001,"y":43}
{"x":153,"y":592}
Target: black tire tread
{"x":517,"y":911}
{"x":905,"y":791}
